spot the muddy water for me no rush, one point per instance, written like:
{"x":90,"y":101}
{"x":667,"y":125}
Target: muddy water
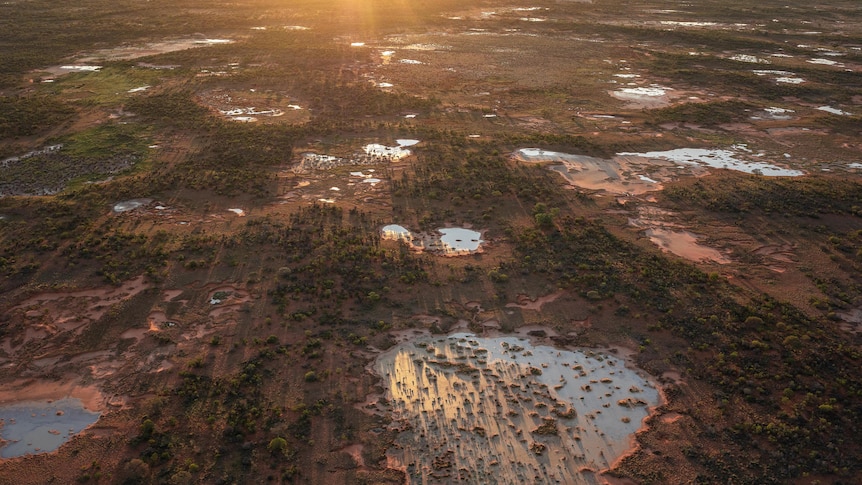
{"x":41,"y":426}
{"x":614,"y":176}
{"x":684,"y":243}
{"x":502,"y":410}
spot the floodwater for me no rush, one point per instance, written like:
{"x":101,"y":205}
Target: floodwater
{"x":398,"y":152}
{"x":457,"y":239}
{"x":638,"y":173}
{"x":41,"y":426}
{"x":450,"y":241}
{"x":719,"y":158}
{"x":371,"y":154}
{"x":395,"y":232}
{"x":593,"y":173}
{"x":643,"y":97}
{"x":503,"y":410}
{"x":129,"y":52}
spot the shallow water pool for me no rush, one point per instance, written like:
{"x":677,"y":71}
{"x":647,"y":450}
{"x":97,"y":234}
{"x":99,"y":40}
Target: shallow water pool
{"x":40,"y":426}
{"x":504,"y":410}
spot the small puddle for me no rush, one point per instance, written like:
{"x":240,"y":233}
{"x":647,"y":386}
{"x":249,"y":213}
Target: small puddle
{"x":789,"y":80}
{"x":824,"y":62}
{"x":643,"y":97}
{"x":41,"y":426}
{"x":785,"y":77}
{"x":834,"y":111}
{"x":225,"y":300}
{"x":249,"y":106}
{"x":130,"y":205}
{"x":749,"y":58}
{"x":676,"y":23}
{"x":774,"y":113}
{"x":503,"y":410}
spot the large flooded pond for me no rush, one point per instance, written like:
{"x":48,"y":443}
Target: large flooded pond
{"x":733,"y":158}
{"x":596,"y":173}
{"x":503,"y":410}
{"x":638,"y":173}
{"x":451,"y":241}
{"x":41,"y":426}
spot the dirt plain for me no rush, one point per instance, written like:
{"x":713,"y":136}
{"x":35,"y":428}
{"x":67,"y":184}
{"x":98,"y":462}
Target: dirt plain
{"x":173,"y":262}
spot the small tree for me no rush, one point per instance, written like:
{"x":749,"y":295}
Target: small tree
{"x":277,"y":445}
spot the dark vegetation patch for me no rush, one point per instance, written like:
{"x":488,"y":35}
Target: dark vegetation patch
{"x":91,"y":155}
{"x":30,"y":115}
{"x":798,"y":196}
{"x":707,"y":114}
